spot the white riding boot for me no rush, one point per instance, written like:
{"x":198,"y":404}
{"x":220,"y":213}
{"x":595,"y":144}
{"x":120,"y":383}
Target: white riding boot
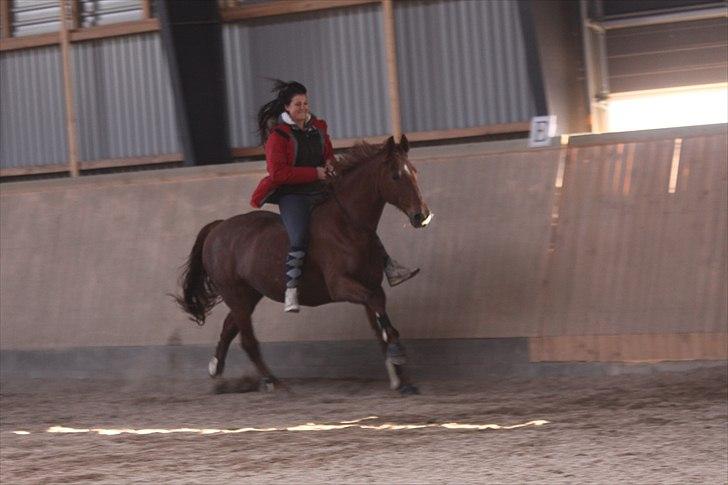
{"x":291,"y":301}
{"x":396,"y":273}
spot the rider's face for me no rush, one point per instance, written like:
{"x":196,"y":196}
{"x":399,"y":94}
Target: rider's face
{"x":298,"y":108}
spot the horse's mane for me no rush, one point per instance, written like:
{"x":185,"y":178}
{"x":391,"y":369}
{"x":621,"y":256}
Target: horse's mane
{"x":356,"y":155}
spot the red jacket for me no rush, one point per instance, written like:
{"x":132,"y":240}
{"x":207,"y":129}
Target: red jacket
{"x":280,"y":155}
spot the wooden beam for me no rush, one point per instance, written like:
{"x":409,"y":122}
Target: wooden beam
{"x":33,"y":170}
{"x":116,"y":30}
{"x":498,"y":129}
{"x":71,"y":128}
{"x":146,"y":9}
{"x":131,"y":161}
{"x":390,"y":48}
{"x":17,"y":43}
{"x":244,"y":152}
{"x":75,"y":15}
{"x":92,"y":165}
{"x":6,"y":18}
{"x":89,"y":33}
{"x":271,"y":9}
{"x":485,"y":130}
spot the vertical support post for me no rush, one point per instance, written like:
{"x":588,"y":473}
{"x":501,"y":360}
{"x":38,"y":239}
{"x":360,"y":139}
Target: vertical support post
{"x":390,"y":47}
{"x":75,"y":14}
{"x":6,"y":19}
{"x":68,"y":90}
{"x":146,"y":9}
{"x":192,"y":40}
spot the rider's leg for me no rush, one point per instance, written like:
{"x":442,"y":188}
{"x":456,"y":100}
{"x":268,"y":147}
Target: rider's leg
{"x":295,"y":212}
{"x":396,"y":273}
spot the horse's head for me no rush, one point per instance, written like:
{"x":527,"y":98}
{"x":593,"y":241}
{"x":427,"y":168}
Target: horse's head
{"x":398,"y":183}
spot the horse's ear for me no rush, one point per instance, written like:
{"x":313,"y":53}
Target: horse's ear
{"x":404,"y":144}
{"x":389,"y":145}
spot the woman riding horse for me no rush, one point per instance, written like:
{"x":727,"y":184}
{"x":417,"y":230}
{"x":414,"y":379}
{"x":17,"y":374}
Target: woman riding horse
{"x":235,"y":260}
{"x":299,"y":157}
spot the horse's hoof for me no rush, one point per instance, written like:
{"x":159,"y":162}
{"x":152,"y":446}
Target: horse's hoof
{"x":396,"y":353}
{"x":221,"y":387}
{"x":408,"y":390}
{"x":214,"y":368}
{"x":244,"y":384}
{"x":272,"y":384}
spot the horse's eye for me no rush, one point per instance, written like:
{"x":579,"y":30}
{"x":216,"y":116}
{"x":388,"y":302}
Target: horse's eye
{"x":396,"y":176}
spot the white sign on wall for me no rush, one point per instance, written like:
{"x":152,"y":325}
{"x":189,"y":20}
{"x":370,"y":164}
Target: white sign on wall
{"x":543,"y":128}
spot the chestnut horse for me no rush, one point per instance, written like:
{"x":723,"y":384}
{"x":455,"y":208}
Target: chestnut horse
{"x":241,"y":259}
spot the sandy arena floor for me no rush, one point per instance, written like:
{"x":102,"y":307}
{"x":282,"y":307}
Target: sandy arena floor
{"x":639,"y":429}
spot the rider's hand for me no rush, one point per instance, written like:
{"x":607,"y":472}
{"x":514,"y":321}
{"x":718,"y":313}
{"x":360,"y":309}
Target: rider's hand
{"x":321,"y":173}
{"x":329,"y":168}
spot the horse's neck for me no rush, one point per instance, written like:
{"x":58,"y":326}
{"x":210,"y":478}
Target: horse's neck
{"x":360,"y":198}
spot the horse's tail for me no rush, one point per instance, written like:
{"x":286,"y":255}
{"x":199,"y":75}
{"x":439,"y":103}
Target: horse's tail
{"x":198,"y":293}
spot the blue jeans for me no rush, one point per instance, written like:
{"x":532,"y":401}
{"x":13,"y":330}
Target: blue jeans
{"x":296,"y":215}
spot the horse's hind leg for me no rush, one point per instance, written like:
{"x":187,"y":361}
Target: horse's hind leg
{"x":242,"y":301}
{"x":251,"y":346}
{"x":394,"y":363}
{"x":229,"y":331}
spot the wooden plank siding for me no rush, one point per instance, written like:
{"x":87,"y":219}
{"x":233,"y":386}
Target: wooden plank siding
{"x":639,"y":265}
{"x":607,"y":271}
{"x":658,"y":347}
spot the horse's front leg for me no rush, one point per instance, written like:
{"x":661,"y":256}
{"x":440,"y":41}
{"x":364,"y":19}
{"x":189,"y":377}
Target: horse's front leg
{"x":395,"y":356}
{"x":397,"y":377}
{"x":347,"y":289}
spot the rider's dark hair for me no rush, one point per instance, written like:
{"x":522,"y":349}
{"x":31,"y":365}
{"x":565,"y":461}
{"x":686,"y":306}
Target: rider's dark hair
{"x":270,"y":111}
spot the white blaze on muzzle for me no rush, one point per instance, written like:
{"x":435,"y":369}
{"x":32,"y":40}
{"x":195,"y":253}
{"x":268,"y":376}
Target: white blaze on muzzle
{"x":427,"y":219}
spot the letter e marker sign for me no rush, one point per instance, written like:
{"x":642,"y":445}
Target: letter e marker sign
{"x":543,"y":128}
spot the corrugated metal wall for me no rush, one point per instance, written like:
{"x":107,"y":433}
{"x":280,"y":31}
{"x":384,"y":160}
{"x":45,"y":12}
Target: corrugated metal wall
{"x":462,"y":63}
{"x":238,"y":76}
{"x":670,"y":55}
{"x":32,"y":17}
{"x":337,"y":54}
{"x":103,"y":12}
{"x":124,"y":100}
{"x":32,"y":114}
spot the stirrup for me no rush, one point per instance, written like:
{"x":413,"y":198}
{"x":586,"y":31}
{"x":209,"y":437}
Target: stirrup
{"x":398,"y":274}
{"x":291,"y":301}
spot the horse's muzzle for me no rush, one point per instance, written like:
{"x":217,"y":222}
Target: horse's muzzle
{"x":421,"y":219}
